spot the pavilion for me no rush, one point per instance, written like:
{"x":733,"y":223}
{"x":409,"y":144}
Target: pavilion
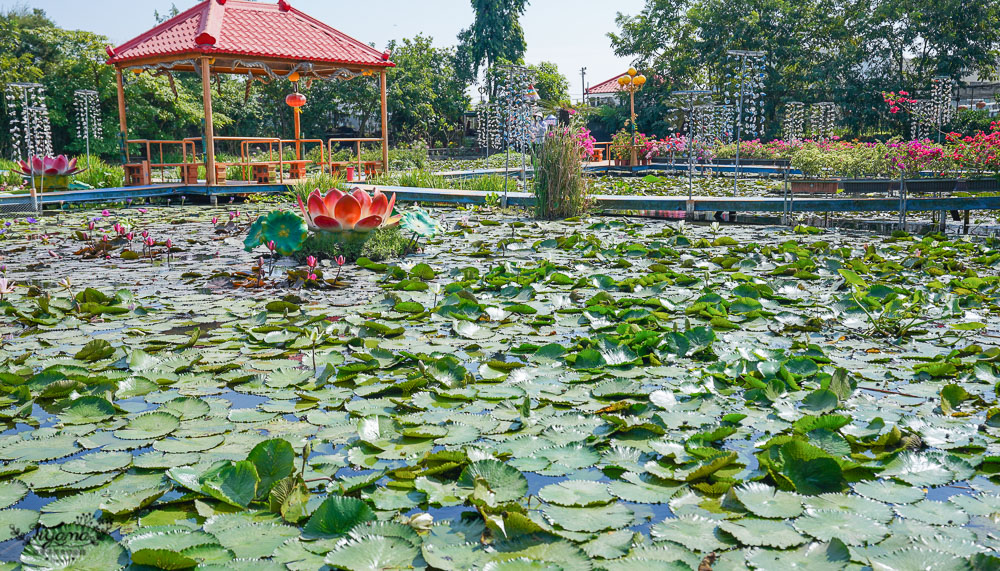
{"x":263,"y":41}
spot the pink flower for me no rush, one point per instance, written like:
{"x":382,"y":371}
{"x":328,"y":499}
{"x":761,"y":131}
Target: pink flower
{"x":170,"y":244}
{"x":271,"y":246}
{"x":312,"y":277}
{"x":311,"y":261}
{"x":215,"y":220}
{"x":105,"y":213}
{"x":340,"y":260}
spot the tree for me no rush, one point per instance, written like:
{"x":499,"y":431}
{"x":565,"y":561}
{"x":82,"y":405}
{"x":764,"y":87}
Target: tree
{"x":426,"y":96}
{"x":552,"y":86}
{"x":495,"y":35}
{"x":845,"y":51}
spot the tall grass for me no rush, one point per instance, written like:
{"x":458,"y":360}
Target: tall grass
{"x":560,"y":187}
{"x":323,"y":182}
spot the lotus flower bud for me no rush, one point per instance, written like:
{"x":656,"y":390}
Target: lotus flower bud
{"x":422,"y":521}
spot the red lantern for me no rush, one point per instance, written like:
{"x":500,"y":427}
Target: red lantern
{"x":295,"y":100}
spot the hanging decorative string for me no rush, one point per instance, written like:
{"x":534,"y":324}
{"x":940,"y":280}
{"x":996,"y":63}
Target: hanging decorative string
{"x":88,"y":117}
{"x":722,"y":121}
{"x":744,"y":88}
{"x":794,"y":123}
{"x":88,"y":114}
{"x":823,"y":118}
{"x":942,"y":92}
{"x":922,"y":118}
{"x":31,"y":132}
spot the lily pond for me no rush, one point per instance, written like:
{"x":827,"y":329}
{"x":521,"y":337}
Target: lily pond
{"x":605,"y":393}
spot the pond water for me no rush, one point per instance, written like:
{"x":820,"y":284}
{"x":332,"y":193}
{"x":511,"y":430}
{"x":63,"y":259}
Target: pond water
{"x":605,"y":393}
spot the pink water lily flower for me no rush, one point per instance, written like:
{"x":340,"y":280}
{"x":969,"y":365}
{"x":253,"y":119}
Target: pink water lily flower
{"x":58,"y":166}
{"x":6,"y":287}
{"x":342,"y":212}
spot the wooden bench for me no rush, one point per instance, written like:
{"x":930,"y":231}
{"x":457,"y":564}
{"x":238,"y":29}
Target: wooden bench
{"x":371,"y":168}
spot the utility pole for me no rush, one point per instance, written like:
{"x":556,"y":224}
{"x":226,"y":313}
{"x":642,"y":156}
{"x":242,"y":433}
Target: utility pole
{"x":583,"y":85}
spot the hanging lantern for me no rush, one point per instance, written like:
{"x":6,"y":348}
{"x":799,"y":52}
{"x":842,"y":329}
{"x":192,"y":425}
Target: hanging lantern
{"x":295,"y":100}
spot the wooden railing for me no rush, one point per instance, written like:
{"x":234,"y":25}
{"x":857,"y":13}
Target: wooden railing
{"x":358,"y":141}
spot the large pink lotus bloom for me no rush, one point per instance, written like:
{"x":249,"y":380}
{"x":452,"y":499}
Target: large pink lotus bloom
{"x":52,"y":166}
{"x":344,"y":212}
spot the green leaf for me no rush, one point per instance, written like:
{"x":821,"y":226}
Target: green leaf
{"x":88,"y":409}
{"x":95,"y":350}
{"x":811,"y":470}
{"x":232,"y":482}
{"x":148,"y":426}
{"x":273,"y":460}
{"x":373,"y":552}
{"x":336,"y":516}
{"x":765,"y":501}
{"x":763,"y":532}
{"x":503,"y":482}
{"x":820,"y":401}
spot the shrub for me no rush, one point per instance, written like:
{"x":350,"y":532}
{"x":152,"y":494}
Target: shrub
{"x":560,"y":187}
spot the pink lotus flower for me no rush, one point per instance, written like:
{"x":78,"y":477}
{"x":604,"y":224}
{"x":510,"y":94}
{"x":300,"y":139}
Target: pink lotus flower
{"x":311,"y":261}
{"x":5,"y":287}
{"x":105,"y":213}
{"x":170,"y":243}
{"x":215,"y":220}
{"x":340,"y":260}
{"x":341,"y":212}
{"x":58,"y":166}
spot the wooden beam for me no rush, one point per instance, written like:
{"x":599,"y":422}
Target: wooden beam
{"x":123,"y":124}
{"x":206,"y":83}
{"x":385,"y":124}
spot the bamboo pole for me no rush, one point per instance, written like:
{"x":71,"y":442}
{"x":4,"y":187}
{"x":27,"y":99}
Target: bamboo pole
{"x":385,"y":125}
{"x":206,"y":83}
{"x":123,"y":124}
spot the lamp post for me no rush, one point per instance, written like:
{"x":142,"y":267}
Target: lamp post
{"x":296,"y":101}
{"x":632,"y":81}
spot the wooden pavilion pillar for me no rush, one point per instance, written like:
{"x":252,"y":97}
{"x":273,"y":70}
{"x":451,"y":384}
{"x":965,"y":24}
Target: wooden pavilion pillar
{"x":123,"y":124}
{"x":206,"y":83}
{"x":385,"y":125}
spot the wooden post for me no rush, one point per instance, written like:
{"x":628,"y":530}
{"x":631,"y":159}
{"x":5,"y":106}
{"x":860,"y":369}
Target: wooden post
{"x":123,"y":125}
{"x":298,"y":134}
{"x":385,"y":126}
{"x":206,"y":83}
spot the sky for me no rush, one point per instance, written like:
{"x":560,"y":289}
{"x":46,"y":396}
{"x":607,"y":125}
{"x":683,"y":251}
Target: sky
{"x":572,"y":34}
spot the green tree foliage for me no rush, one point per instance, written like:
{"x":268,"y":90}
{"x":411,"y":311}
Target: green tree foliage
{"x":426,"y":96}
{"x":552,"y":85}
{"x":495,"y":35}
{"x":846,"y":51}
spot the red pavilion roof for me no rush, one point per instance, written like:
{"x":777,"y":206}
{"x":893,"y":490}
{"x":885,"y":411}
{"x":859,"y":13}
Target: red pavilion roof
{"x":609,"y":86}
{"x":250,"y":29}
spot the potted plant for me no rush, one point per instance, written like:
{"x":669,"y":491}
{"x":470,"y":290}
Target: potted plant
{"x":49,"y":173}
{"x":814,"y":163}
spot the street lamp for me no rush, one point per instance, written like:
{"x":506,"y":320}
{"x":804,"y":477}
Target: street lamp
{"x":632,"y":81}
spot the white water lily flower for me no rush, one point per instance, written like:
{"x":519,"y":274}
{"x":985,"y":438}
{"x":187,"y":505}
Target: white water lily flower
{"x":422,"y":521}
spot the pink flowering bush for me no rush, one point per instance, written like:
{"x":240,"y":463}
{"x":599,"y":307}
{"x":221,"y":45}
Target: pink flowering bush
{"x":912,"y":157}
{"x":979,"y":153}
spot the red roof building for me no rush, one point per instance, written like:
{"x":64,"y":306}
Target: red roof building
{"x":606,"y":91}
{"x":261,"y":40}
